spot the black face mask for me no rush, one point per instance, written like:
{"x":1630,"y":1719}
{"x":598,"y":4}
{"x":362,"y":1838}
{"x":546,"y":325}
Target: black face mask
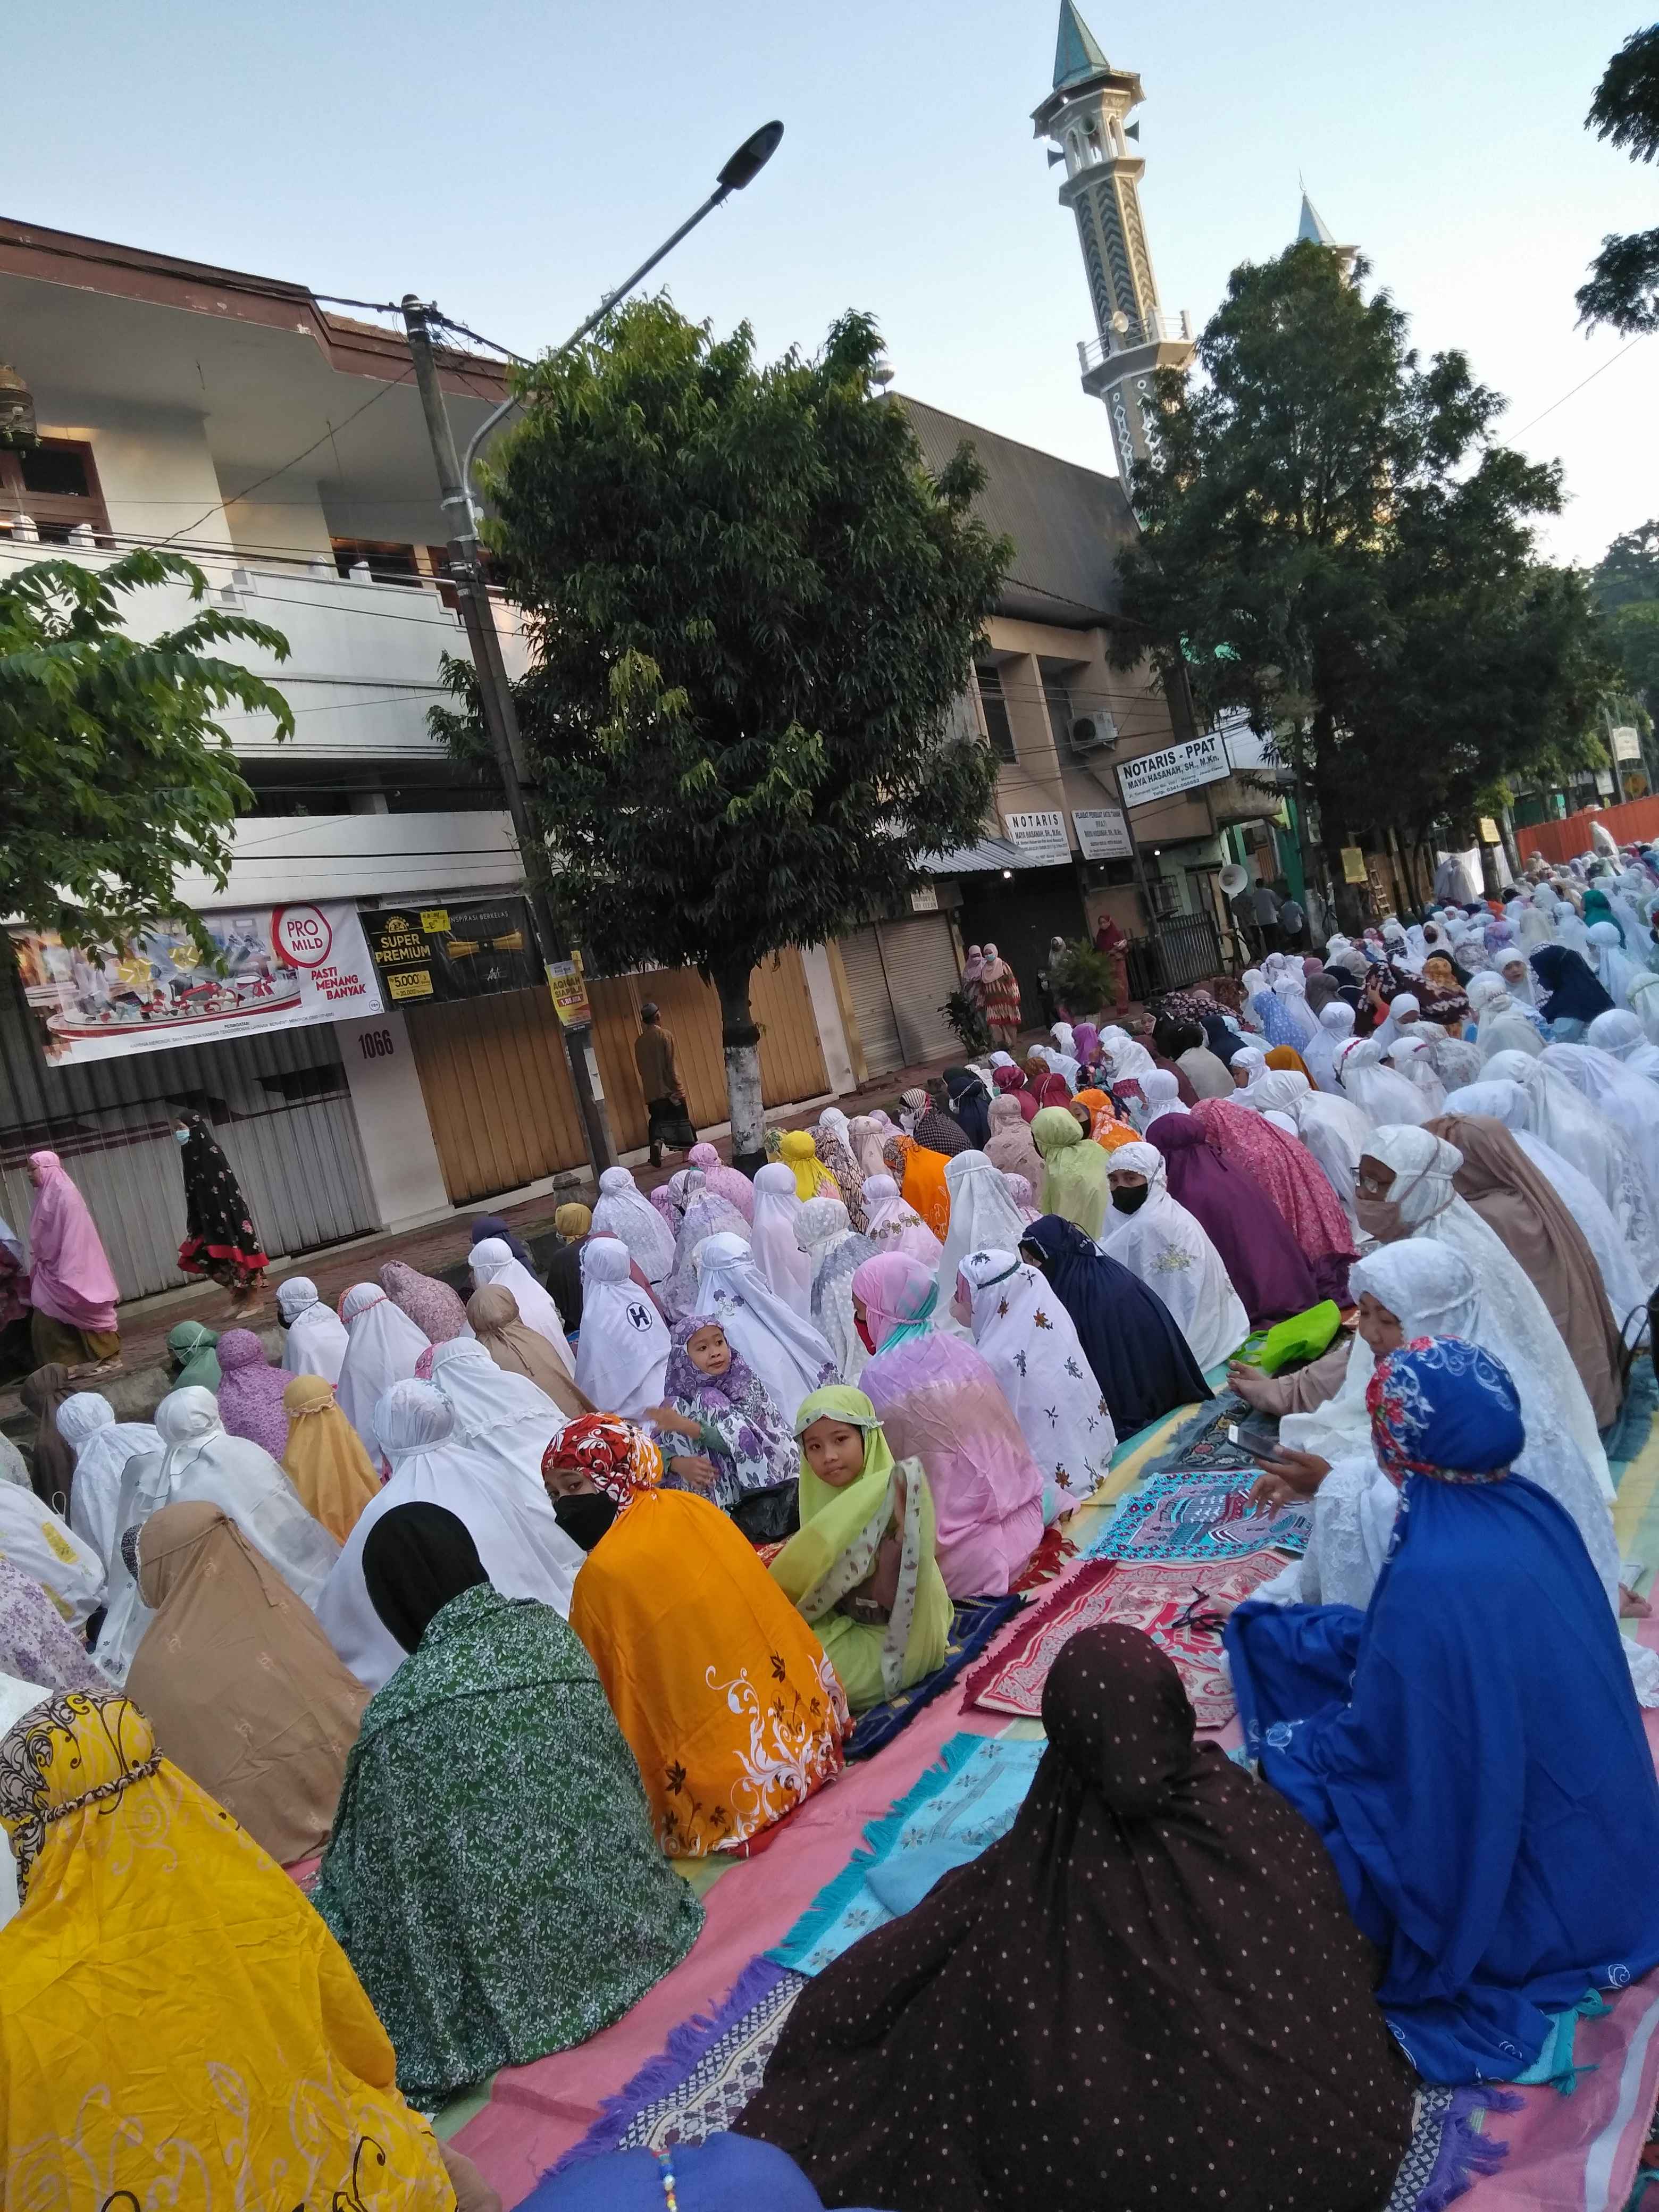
{"x":585,"y":1517}
{"x":1131,"y":1197}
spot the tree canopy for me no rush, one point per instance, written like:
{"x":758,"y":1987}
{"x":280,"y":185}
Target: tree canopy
{"x":116,"y":773}
{"x":752,"y":613}
{"x":1332,"y":538}
{"x":1623,"y":287}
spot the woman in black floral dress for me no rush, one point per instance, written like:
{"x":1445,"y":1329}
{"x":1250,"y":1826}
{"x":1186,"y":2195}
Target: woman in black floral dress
{"x":221,"y":1241}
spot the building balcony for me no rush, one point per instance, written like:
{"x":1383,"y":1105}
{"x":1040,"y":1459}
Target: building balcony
{"x":1138,"y":331}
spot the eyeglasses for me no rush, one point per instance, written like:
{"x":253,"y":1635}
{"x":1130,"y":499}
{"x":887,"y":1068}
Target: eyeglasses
{"x":1190,"y":1616}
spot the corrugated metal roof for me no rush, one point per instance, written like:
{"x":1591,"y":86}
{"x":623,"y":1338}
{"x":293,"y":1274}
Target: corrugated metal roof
{"x":1067,"y":522}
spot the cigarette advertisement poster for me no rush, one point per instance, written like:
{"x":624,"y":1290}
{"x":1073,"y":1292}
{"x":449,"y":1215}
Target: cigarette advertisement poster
{"x":426,"y":955}
{"x":277,"y":968}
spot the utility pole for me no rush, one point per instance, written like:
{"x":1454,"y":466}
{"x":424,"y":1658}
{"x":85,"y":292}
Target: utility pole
{"x":501,"y":721}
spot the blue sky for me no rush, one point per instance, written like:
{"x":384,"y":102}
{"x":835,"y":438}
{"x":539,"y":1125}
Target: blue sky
{"x":513,"y":159}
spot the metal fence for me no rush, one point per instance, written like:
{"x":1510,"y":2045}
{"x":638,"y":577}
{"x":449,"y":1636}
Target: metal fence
{"x":1184,"y":950}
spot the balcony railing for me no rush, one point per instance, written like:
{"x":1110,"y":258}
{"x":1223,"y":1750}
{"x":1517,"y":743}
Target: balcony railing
{"x":1156,"y":329}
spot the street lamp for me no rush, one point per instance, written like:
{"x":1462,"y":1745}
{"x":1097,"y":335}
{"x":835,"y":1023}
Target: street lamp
{"x":472,"y":600}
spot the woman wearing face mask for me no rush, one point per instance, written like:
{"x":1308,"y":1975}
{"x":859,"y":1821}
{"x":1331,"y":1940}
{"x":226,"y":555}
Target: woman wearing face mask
{"x":220,"y":1239}
{"x":1153,"y":1236}
{"x":725,"y":1695}
{"x":723,"y":1435}
{"x":862,"y":1570}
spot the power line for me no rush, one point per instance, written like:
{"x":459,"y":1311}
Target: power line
{"x":1579,"y":386}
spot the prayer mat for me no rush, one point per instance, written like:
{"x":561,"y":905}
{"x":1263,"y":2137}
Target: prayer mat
{"x":975,"y":1622}
{"x":1448,"y":2150}
{"x":1049,"y":1559}
{"x":712,"y":2067}
{"x":958,"y":1809}
{"x":1198,"y":1517}
{"x":1156,"y":1599}
{"x":1203,"y":1446}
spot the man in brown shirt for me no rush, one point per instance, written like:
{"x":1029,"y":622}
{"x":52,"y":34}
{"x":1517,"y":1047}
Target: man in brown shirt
{"x":659,"y":1079}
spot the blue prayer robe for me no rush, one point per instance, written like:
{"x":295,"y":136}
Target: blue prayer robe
{"x":1470,"y":1751}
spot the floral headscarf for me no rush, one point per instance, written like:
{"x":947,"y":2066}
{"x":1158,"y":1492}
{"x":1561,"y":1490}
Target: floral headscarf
{"x":616,"y":1457}
{"x":1444,"y":1408}
{"x":738,"y":1405}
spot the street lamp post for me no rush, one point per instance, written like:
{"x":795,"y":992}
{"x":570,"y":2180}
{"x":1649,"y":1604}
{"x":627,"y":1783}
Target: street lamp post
{"x":477,"y":617}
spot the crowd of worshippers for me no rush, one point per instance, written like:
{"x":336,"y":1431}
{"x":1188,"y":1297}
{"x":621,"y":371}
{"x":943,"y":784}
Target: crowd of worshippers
{"x":377,"y":1691}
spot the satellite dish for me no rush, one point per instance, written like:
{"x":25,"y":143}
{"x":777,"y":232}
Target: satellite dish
{"x":1233,"y":879}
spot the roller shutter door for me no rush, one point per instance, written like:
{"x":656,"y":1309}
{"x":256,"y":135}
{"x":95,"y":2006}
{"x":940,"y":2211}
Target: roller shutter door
{"x":899,"y":974}
{"x":873,"y":1008}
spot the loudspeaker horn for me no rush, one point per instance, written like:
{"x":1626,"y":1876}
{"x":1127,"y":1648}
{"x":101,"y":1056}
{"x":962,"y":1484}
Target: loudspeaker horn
{"x":1233,"y":879}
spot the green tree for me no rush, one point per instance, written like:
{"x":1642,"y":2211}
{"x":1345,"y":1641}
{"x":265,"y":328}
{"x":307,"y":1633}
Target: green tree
{"x":752,"y":610}
{"x":1629,"y":569}
{"x":1332,"y":539}
{"x":115,"y":771}
{"x":1624,"y":280}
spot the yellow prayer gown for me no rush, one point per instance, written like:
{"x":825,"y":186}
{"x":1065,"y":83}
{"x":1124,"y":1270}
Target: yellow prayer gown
{"x":175,"y":2021}
{"x":724,"y":1693}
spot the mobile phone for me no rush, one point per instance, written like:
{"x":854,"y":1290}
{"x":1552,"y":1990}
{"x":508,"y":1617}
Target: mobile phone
{"x":1232,"y":1432}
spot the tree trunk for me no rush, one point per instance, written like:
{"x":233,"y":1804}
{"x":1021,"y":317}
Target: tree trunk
{"x":740,"y":1041}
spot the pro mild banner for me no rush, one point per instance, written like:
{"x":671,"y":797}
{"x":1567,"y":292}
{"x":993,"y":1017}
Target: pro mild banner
{"x":235,"y":972}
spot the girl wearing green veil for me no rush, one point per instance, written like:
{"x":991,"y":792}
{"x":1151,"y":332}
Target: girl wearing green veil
{"x":191,"y":1350}
{"x":862,"y":1572}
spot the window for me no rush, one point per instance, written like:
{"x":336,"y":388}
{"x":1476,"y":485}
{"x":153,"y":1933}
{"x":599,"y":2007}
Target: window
{"x":998,"y":727}
{"x":387,"y":564}
{"x":1058,"y":701}
{"x":57,"y":485}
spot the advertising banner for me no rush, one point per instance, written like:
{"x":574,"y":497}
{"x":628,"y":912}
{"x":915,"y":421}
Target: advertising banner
{"x":568,"y":985}
{"x":277,"y":968}
{"x":426,"y":955}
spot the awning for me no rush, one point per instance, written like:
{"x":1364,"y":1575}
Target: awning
{"x":990,"y":853}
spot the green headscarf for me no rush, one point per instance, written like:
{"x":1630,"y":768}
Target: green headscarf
{"x":493,"y":1876}
{"x":1076,"y":1171}
{"x":192,"y":1346}
{"x":842,"y":1531}
{"x":1598,"y":908}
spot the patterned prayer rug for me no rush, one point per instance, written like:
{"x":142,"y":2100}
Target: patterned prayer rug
{"x":955,"y":1810}
{"x":701,"y":2082}
{"x":1051,"y":1556}
{"x":975,"y":1622}
{"x":1157,"y":1598}
{"x":1196,"y":1517}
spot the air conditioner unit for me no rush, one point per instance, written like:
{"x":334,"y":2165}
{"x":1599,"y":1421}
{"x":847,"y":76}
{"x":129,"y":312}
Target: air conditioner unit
{"x":1093,"y":733}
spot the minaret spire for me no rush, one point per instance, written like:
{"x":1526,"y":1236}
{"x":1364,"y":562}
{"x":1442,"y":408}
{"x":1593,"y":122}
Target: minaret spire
{"x":1084,"y":116}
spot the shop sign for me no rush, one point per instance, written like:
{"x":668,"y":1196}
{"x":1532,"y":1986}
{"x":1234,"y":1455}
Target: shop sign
{"x":1175,"y":768}
{"x":238,"y":971}
{"x":1102,"y":833}
{"x":1353,"y":864}
{"x":568,"y":985}
{"x":426,"y":956}
{"x":1039,"y":838}
{"x":924,"y":899}
{"x":1490,"y":832}
{"x":1626,"y":743}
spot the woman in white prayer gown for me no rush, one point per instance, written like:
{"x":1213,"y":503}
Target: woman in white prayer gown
{"x":1410,"y":1056}
{"x":622,"y":1351}
{"x":890,"y":1223}
{"x":492,"y":1261}
{"x":1627,"y":1289}
{"x":1622,"y":1035}
{"x":1514,"y":973}
{"x":1291,"y":991}
{"x":1336,"y":1023}
{"x":315,"y":1342}
{"x":1620,"y":1092}
{"x":1380,"y":1091}
{"x":1422,"y":1200}
{"x":1252,"y":981}
{"x":1168,"y":1249}
{"x":520,"y":1545}
{"x":1534,"y":925}
{"x":382,"y":1347}
{"x":41,"y":1544}
{"x":1559,"y":1112}
{"x":827,"y":1236}
{"x":1127,"y":1061}
{"x":1614,"y":967}
{"x":503,"y":1417}
{"x":199,"y":1463}
{"x":621,"y":1210}
{"x":1500,"y":1024}
{"x":102,"y":1446}
{"x":782,"y":1264}
{"x":1252,"y":1065}
{"x":1160,"y":1094}
{"x":790,"y":1355}
{"x":1042,"y":1370}
{"x":983,"y":1215}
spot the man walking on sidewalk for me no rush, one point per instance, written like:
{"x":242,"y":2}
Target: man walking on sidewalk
{"x":659,"y":1079}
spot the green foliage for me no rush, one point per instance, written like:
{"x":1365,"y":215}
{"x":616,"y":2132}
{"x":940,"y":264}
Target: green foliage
{"x":1623,"y":289}
{"x":751,"y":609}
{"x":1332,"y":538}
{"x":1081,"y":977}
{"x":966,"y":1019}
{"x":116,"y":773}
{"x":1629,"y":569}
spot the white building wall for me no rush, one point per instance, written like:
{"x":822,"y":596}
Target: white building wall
{"x":404,"y":1174}
{"x":154,"y":469}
